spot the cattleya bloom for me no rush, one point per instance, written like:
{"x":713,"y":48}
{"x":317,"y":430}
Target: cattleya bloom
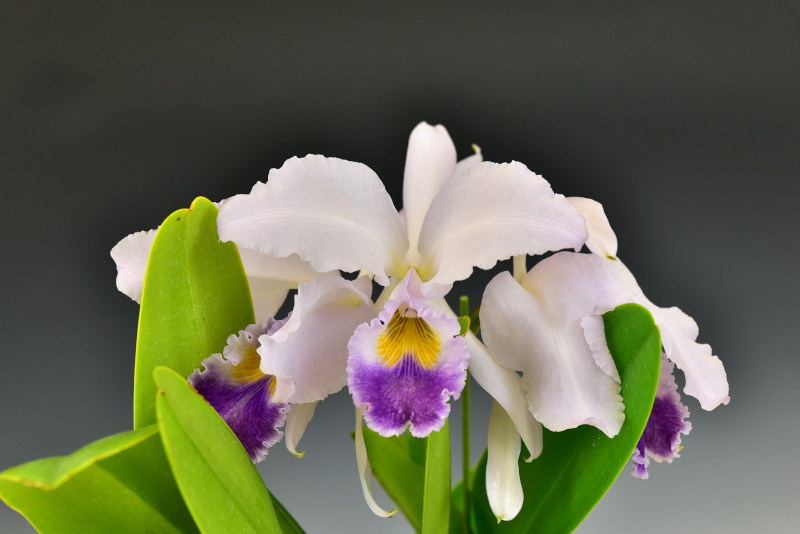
{"x":547,"y":324}
{"x":336,"y":214}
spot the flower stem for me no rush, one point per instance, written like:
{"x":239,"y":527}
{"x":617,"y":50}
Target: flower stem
{"x":465,"y":432}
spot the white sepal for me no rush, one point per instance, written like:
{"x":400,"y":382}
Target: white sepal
{"x":503,"y":486}
{"x":430,"y":162}
{"x":364,"y":469}
{"x":602,"y":239}
{"x":333,"y":213}
{"x":490,"y":212}
{"x":296,"y":422}
{"x":705,"y":375}
{"x":131,"y":256}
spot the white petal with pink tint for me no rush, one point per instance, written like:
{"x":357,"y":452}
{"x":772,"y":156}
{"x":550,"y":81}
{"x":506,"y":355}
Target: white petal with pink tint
{"x":503,"y":485}
{"x":705,"y":375}
{"x":131,"y":255}
{"x":270,"y":279}
{"x":430,"y":162}
{"x":490,"y":212}
{"x":602,"y":239}
{"x":536,"y":328}
{"x":311,"y":346}
{"x":333,"y":213}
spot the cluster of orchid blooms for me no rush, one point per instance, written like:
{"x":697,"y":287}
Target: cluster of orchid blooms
{"x":543,"y":358}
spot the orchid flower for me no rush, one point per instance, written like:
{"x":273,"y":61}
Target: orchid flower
{"x":270,"y":279}
{"x":705,"y":375}
{"x":276,"y":367}
{"x":336,"y":214}
{"x":403,"y":368}
{"x":547,"y":324}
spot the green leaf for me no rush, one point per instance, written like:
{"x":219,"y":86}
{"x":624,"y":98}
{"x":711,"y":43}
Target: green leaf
{"x":577,"y":466}
{"x":398,"y":463}
{"x":195,"y":296}
{"x":219,"y":483}
{"x":285,"y":519}
{"x":120,"y":484}
{"x":436,"y":499}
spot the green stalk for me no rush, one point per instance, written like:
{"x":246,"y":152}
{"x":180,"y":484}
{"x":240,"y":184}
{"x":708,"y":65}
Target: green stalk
{"x":465,"y":432}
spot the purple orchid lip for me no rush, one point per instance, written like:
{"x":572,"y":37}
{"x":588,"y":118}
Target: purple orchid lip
{"x":661,"y":438}
{"x":242,"y":394}
{"x":406,"y":369}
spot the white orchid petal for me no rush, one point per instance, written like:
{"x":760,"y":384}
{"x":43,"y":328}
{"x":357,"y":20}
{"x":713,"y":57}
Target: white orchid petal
{"x":503,"y":384}
{"x":705,"y":375}
{"x":602,"y":239}
{"x":469,"y":161}
{"x":503,"y":485}
{"x":270,"y":279}
{"x":491,"y":212}
{"x":506,"y":387}
{"x":364,"y":469}
{"x":536,"y":328}
{"x":430,"y":162}
{"x":311,"y":346}
{"x":594,"y":330}
{"x":131,"y":255}
{"x":335,"y":214}
{"x":296,"y":422}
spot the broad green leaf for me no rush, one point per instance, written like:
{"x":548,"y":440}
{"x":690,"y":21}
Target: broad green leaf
{"x":285,"y":519}
{"x":577,"y":466}
{"x":216,"y":477}
{"x":195,"y":296}
{"x":436,"y":500}
{"x":398,"y":463}
{"x":120,"y":484}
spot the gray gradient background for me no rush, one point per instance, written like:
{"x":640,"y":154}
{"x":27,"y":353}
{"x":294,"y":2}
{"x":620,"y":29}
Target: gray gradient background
{"x":683,"y":119}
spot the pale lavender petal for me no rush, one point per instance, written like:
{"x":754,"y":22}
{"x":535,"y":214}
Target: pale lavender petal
{"x":661,"y":439}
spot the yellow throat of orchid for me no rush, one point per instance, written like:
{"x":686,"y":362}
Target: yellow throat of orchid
{"x":408,"y":334}
{"x":248,"y":370}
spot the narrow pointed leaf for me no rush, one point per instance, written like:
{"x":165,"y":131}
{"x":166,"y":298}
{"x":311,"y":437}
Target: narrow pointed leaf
{"x":577,"y":466}
{"x":121,"y":484}
{"x":288,"y":523}
{"x":195,"y":295}
{"x":436,"y":500}
{"x":216,"y":477}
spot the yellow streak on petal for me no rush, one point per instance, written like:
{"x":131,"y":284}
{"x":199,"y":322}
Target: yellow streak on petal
{"x":248,"y":369}
{"x":408,"y":335}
